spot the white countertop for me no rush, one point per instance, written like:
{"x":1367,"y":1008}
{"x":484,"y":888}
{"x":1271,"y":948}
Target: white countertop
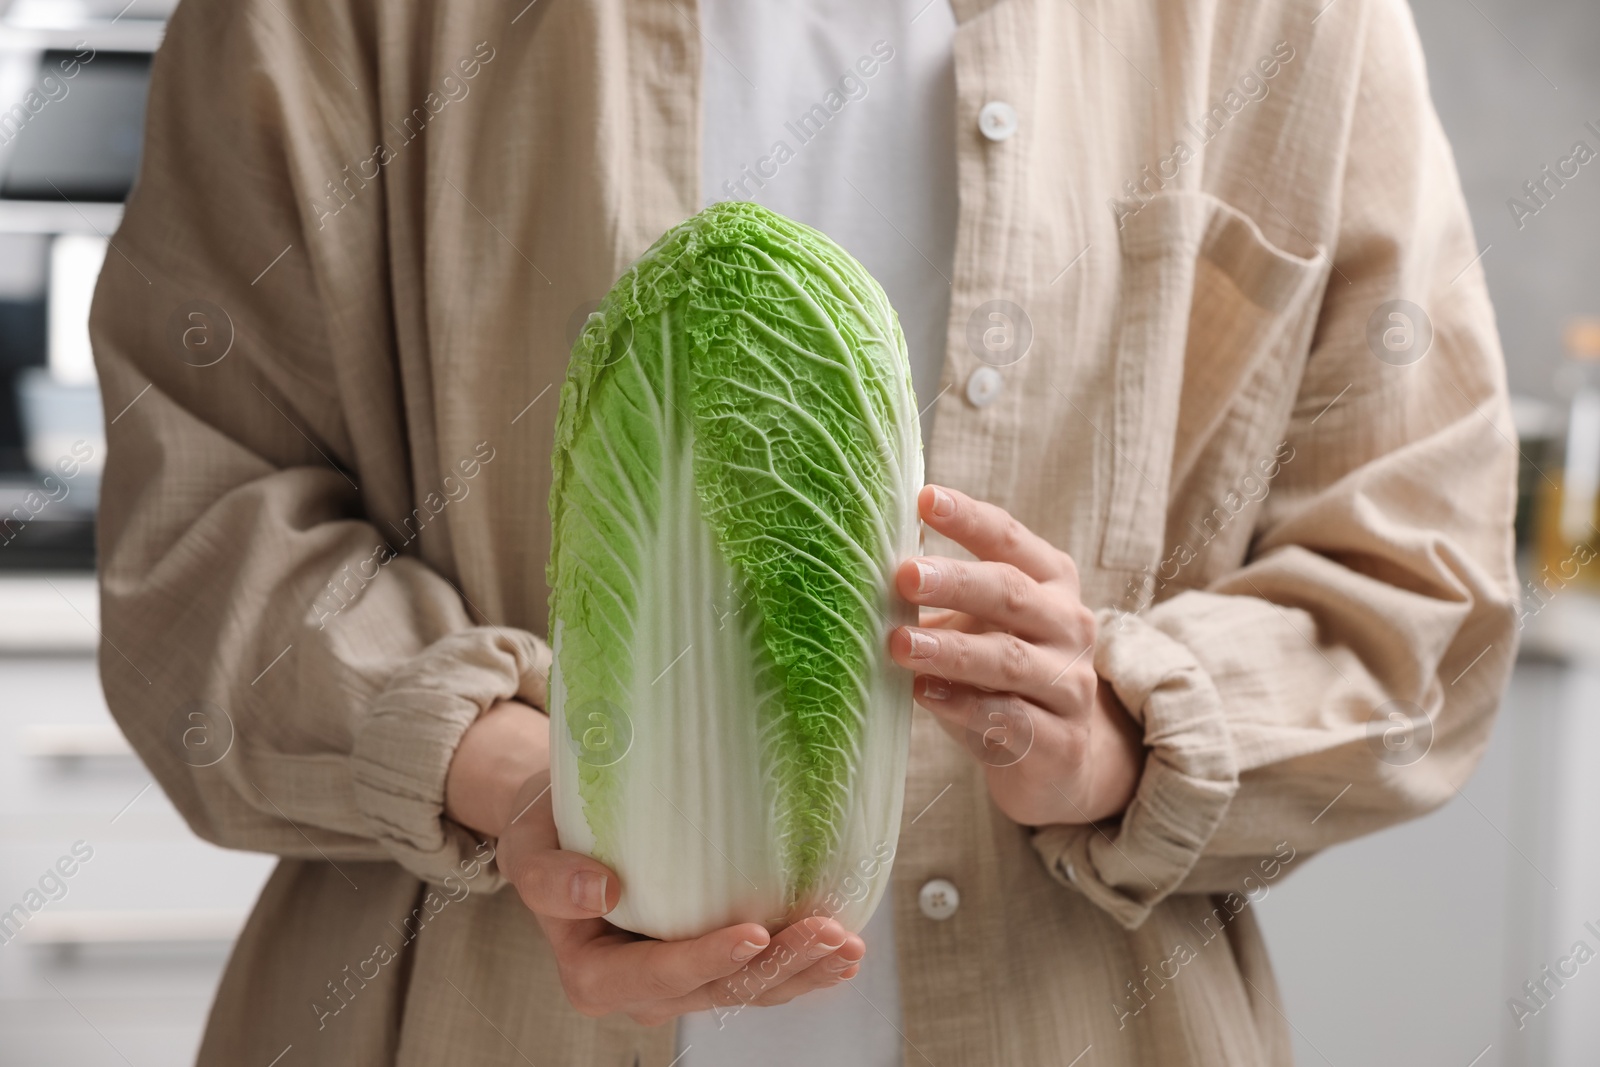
{"x":1567,"y":629}
{"x":49,"y":612}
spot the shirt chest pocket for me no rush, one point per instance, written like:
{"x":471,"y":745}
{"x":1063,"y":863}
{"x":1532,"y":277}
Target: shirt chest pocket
{"x":1213,"y":323}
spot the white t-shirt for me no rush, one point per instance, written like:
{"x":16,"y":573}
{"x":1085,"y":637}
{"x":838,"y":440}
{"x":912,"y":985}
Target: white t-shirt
{"x":839,"y":114}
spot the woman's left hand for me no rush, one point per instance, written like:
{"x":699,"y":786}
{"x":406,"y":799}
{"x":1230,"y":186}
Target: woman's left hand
{"x":1005,"y":662}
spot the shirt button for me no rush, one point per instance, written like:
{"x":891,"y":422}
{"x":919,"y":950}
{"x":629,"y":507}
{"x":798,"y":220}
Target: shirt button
{"x":938,"y":900}
{"x":997,"y":120}
{"x":984,"y":386}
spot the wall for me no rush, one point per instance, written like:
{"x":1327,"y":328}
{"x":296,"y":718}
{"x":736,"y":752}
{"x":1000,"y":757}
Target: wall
{"x":1515,"y":81}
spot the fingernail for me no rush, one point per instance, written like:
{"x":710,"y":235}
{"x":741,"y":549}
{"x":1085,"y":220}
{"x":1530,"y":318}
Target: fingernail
{"x":589,"y":891}
{"x":943,"y":502}
{"x":745,"y":950}
{"x":923,"y":645}
{"x":839,"y":964}
{"x":927,"y":577}
{"x":820,"y":949}
{"x":936,"y":689}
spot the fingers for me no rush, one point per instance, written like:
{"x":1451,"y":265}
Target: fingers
{"x":785,"y":971}
{"x":997,"y":728}
{"x":843,"y":964}
{"x":605,"y":970}
{"x":999,"y":661}
{"x":801,"y":956}
{"x":990,"y":533}
{"x":612,"y":973}
{"x":998,"y":593}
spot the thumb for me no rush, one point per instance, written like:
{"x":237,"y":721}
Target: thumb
{"x":552,"y":881}
{"x":565,"y":885}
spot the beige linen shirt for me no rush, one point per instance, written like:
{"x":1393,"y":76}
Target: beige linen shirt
{"x":330,"y":336}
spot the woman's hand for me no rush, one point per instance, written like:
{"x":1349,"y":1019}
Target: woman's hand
{"x":605,"y":970}
{"x":1005,"y":662}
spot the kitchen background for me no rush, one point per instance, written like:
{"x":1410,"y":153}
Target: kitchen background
{"x":1404,"y":948}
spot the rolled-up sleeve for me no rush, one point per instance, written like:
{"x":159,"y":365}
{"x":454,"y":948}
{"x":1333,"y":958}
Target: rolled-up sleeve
{"x":1345,"y":677}
{"x":296,"y":684}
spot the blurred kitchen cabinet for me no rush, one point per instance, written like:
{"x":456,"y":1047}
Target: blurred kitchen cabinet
{"x":120,"y":967}
{"x":1414,"y":945}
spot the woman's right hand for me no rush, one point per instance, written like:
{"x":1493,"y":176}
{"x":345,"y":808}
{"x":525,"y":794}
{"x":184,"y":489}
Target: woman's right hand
{"x":606,"y":970}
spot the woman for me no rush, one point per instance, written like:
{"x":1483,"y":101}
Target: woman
{"x":1222,"y":485}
